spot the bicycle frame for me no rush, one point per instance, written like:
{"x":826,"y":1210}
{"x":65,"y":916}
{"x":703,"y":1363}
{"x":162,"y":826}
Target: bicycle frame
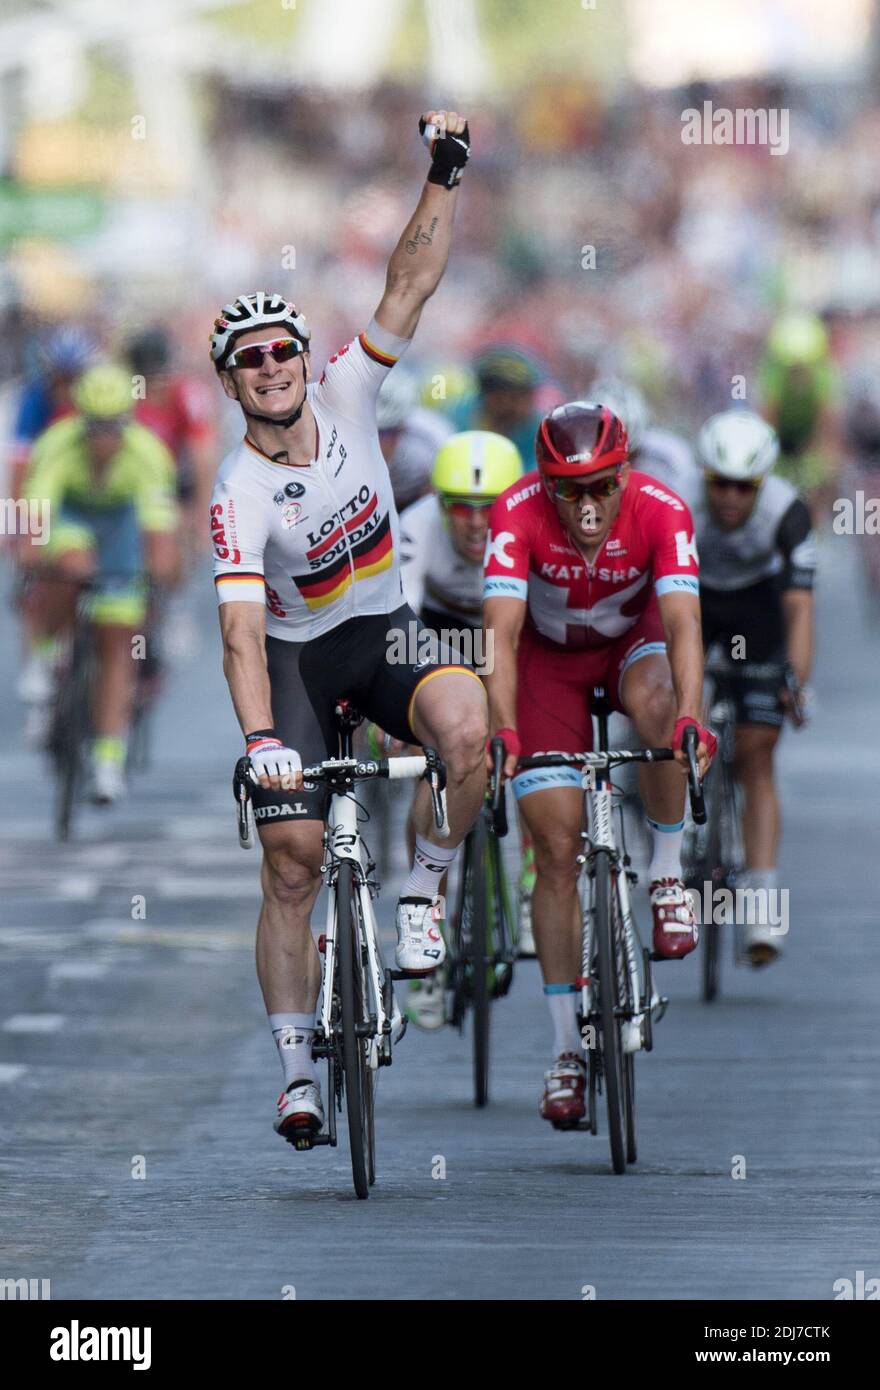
{"x":343,"y":842}
{"x":600,"y":839}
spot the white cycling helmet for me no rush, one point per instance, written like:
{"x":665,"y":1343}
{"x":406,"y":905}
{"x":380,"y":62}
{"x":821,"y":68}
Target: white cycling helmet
{"x":739,"y":445}
{"x":627,"y":403}
{"x":258,"y":310}
{"x":397,"y":399}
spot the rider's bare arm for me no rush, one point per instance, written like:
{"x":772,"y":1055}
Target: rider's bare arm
{"x":243,"y":627}
{"x":680,"y":615}
{"x":797,"y":607}
{"x":504,"y":618}
{"x":419,"y":258}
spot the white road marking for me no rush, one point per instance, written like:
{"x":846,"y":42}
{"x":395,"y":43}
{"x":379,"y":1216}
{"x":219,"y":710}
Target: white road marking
{"x":78,"y":887}
{"x":10,"y":1071}
{"x":33,"y":1023}
{"x":78,"y":970}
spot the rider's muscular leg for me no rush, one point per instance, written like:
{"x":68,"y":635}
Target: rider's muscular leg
{"x":116,"y":684}
{"x":649,"y":700}
{"x":288,"y":965}
{"x":449,"y":714}
{"x":755,"y":745}
{"x":553,"y":818}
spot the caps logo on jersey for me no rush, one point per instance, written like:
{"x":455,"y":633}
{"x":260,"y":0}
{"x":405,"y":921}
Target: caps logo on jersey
{"x":225,"y":550}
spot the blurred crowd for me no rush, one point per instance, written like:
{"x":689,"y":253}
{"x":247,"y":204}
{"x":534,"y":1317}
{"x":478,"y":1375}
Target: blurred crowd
{"x":589,"y":235}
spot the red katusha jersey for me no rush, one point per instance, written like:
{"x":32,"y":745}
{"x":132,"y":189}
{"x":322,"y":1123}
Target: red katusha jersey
{"x":649,"y":550}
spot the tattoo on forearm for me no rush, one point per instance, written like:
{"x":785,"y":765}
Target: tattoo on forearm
{"x":421,"y":236}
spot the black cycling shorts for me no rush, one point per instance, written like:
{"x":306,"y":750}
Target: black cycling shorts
{"x":367,"y":660}
{"x":749,"y":626}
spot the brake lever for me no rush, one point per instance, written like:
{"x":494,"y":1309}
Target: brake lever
{"x":499,"y":803}
{"x":698,"y":804}
{"x":435,"y":776}
{"x":241,"y":788}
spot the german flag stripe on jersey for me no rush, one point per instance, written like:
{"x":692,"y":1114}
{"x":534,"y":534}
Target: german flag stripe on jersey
{"x":370,"y":556}
{"x":384,"y":359}
{"x":241,"y":578}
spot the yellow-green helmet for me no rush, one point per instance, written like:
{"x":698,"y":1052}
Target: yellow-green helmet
{"x":476,"y":463}
{"x":798,"y":339}
{"x":103,"y":392}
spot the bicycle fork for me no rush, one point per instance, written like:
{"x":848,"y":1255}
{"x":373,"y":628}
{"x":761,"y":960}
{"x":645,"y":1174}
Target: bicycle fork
{"x":343,"y":843}
{"x":599,"y":838}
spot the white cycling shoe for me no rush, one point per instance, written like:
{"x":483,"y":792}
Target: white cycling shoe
{"x":420,"y":944}
{"x":108,"y":781}
{"x":300,"y":1113}
{"x":762,"y":943}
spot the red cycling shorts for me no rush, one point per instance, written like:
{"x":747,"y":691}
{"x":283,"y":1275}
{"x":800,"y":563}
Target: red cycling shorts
{"x":554,"y":683}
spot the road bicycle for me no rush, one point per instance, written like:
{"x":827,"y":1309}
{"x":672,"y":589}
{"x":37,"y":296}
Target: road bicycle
{"x":714,"y":853}
{"x":70,"y":727}
{"x":482,"y":946}
{"x":618,"y":1003}
{"x":359,"y":1019}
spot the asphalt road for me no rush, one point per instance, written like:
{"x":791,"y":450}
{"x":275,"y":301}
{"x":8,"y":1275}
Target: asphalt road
{"x":137,"y":1045}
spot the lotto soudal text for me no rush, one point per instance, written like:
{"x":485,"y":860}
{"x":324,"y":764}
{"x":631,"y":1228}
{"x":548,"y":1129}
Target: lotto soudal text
{"x":76,"y":1343}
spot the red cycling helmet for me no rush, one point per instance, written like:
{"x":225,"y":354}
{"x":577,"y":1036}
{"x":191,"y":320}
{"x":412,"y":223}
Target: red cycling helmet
{"x":579,"y":438}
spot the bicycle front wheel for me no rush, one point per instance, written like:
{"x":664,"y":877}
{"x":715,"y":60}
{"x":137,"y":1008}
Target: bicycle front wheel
{"x":71,"y":725}
{"x":613,"y":1079}
{"x":356,"y":1071}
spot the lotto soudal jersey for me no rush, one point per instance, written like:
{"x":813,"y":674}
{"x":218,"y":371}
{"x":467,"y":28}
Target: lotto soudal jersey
{"x":318,"y":543}
{"x":530,"y":556}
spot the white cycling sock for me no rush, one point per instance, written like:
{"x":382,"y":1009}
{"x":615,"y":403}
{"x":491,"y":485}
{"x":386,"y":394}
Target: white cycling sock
{"x":562,"y":1001}
{"x":294,"y":1035}
{"x":429,"y":865}
{"x":666,"y":855}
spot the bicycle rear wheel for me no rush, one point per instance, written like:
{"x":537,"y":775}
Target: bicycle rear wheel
{"x":356,"y":1071}
{"x":477,"y":907}
{"x":613,"y":1078}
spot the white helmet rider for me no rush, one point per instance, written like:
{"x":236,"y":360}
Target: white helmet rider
{"x":258,"y":310}
{"x":739,"y":445}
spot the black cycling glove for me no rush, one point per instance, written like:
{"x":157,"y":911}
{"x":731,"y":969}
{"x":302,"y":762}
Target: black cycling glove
{"x":449,"y":154}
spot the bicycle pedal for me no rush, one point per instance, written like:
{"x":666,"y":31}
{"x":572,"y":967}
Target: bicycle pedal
{"x":301,"y":1137}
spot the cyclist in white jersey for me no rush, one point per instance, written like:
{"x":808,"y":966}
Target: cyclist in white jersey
{"x":757,"y":572}
{"x":443,"y":541}
{"x":307,"y":569}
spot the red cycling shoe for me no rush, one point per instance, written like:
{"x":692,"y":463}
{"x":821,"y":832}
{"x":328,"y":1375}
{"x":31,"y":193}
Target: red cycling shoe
{"x":675,"y":928}
{"x":565,"y":1084}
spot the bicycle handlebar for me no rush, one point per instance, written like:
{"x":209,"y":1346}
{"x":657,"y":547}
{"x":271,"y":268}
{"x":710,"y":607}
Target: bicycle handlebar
{"x":616,"y":756}
{"x":340,"y":775}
